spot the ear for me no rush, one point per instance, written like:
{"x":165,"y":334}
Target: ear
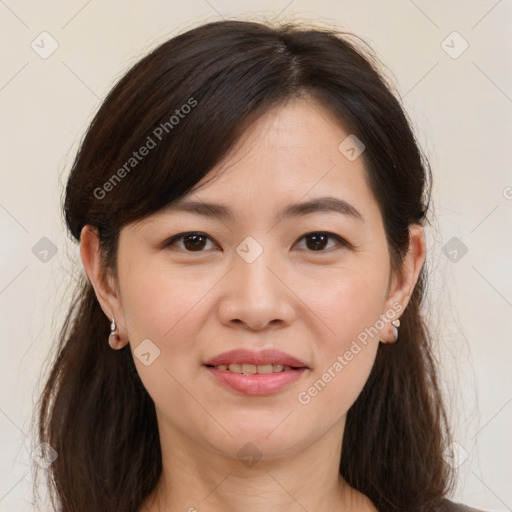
{"x":402,"y":285}
{"x":103,"y":282}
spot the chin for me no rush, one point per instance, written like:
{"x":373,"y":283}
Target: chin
{"x":267,"y":439}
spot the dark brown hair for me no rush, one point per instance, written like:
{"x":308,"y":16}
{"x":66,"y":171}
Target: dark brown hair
{"x":94,"y":410}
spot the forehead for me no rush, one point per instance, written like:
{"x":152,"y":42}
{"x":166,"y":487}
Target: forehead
{"x":292,"y":153}
{"x":286,"y":166}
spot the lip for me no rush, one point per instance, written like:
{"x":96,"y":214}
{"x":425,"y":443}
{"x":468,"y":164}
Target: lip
{"x":254,"y":383}
{"x":268,"y":356}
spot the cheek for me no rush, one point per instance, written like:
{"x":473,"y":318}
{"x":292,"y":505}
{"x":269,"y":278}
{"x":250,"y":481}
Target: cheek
{"x":159,"y":302}
{"x":350,"y":306}
{"x":333,"y":391}
{"x":161,"y":308}
{"x":348,"y":302}
{"x":344,"y":362}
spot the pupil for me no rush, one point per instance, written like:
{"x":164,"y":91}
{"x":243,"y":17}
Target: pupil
{"x":196,"y":241}
{"x":315,"y":246}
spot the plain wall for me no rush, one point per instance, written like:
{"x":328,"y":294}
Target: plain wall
{"x":461,"y":109}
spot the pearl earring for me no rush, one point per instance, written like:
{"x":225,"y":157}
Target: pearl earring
{"x":396,"y":323}
{"x":113,"y":339}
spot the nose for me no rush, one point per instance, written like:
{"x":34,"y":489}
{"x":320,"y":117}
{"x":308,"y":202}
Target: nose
{"x":257,"y":295}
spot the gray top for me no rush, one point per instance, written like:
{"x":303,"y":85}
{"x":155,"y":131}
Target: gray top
{"x":450,"y":506}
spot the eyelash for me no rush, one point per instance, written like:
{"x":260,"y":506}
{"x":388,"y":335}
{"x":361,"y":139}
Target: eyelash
{"x":171,"y":241}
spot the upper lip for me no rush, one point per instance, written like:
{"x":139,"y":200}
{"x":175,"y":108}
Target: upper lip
{"x":243,"y":356}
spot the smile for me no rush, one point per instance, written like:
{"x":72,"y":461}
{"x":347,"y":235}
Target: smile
{"x":248,"y":369}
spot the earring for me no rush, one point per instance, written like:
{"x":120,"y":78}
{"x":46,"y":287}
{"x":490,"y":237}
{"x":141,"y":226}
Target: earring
{"x":113,"y":339}
{"x":396,"y":323}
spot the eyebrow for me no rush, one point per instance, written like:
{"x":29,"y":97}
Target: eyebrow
{"x":320,"y":204}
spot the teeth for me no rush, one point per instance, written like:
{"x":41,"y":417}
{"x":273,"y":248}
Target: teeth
{"x":249,"y":368}
{"x":264,"y":368}
{"x":253,"y":368}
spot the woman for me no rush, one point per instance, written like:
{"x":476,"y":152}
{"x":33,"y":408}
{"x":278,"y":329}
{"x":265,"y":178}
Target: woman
{"x":249,"y":203}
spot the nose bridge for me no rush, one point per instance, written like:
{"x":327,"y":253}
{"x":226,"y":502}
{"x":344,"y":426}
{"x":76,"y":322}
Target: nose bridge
{"x":255,"y":274}
{"x":256,"y":294}
{"x":252,"y":271}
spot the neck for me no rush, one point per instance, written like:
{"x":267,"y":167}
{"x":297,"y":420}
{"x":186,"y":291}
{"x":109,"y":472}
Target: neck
{"x":195,"y":478}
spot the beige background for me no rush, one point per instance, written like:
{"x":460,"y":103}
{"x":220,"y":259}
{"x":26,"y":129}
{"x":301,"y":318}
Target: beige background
{"x":461,"y":109}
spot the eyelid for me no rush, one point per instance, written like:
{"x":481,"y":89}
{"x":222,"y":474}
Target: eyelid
{"x":342,"y":241}
{"x":170,"y":241}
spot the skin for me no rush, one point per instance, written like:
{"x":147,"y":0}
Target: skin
{"x":312,"y":304}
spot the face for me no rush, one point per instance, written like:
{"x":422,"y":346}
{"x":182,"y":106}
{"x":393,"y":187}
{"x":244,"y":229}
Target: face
{"x":315,"y":284}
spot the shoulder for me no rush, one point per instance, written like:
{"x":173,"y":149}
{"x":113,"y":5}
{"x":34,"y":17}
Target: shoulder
{"x":450,"y":506}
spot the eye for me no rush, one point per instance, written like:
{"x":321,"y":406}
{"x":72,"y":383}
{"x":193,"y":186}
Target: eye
{"x":194,"y":241}
{"x":317,"y":240}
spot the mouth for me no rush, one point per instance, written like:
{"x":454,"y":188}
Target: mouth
{"x":262,"y":362}
{"x":255,"y":373}
{"x":252,"y":369}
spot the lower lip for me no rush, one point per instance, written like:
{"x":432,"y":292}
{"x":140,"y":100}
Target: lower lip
{"x":255,"y":383}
